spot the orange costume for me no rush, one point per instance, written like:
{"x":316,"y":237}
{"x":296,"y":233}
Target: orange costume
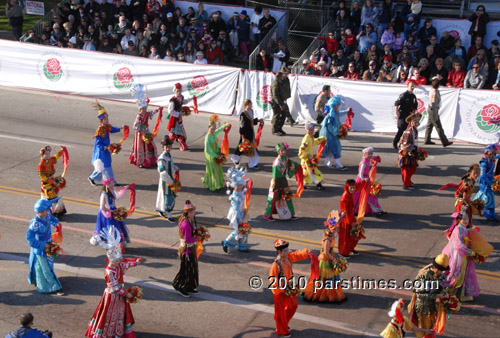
{"x":285,"y":299}
{"x":50,"y":186}
{"x":348,"y":242}
{"x":408,"y":148}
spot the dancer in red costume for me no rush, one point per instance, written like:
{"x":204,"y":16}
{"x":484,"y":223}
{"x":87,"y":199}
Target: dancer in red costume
{"x":176,"y":112}
{"x":349,"y":233}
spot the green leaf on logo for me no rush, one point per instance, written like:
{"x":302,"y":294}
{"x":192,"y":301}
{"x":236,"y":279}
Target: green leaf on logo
{"x":51,"y":77}
{"x":484,"y":126}
{"x":262,"y":104}
{"x":193,"y":91}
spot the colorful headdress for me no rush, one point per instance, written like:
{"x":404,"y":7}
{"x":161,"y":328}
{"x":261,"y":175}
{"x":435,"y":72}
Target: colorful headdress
{"x":310,"y":125}
{"x":177,"y":86}
{"x":489,"y":148}
{"x":138,"y":93}
{"x":280,"y":244}
{"x":214,"y":118}
{"x":44,"y":149}
{"x":109,"y":238}
{"x":368,"y":150}
{"x":100,"y":109}
{"x":236,"y":177}
{"x":441,"y":262}
{"x":396,"y":310}
{"x":282,"y":145}
{"x":333,"y":219}
{"x":166,"y":141}
{"x":42,"y":205}
{"x":413,"y":117}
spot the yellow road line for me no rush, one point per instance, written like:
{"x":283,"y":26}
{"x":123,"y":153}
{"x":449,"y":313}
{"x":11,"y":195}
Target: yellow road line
{"x":256,"y":233}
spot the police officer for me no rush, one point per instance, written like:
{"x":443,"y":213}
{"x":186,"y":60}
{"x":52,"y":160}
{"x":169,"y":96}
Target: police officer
{"x":278,"y":102}
{"x":405,"y":105}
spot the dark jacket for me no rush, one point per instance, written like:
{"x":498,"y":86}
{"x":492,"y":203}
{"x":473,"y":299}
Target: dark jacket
{"x":263,"y":22}
{"x":407,"y":103}
{"x":246,"y":126}
{"x":481,"y":25}
{"x":260,"y":63}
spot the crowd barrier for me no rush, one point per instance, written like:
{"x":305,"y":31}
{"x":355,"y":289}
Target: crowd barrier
{"x":468,"y":115}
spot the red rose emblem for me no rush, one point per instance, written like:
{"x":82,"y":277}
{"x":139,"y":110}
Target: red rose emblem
{"x":491,"y":114}
{"x":265,"y":94}
{"x":124,"y":75}
{"x":421,"y":106}
{"x":53,"y":66}
{"x":199,"y":83}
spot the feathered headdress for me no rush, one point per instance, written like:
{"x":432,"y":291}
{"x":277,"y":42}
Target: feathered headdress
{"x":138,"y":92}
{"x":396,"y":310}
{"x":100,"y":109}
{"x":109,"y":238}
{"x":235,"y":177}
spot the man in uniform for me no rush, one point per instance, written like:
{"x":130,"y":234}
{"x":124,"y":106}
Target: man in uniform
{"x":278,"y":102}
{"x":321,"y":101}
{"x":405,"y":105}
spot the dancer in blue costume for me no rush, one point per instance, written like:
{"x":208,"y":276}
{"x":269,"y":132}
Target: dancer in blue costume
{"x":485,"y":180}
{"x":330,"y":128}
{"x":38,"y":236}
{"x":237,"y":214}
{"x":101,"y":151}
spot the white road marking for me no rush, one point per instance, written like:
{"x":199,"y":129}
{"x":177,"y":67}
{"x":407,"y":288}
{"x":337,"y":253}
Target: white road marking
{"x":26,"y":139}
{"x":97,"y":273}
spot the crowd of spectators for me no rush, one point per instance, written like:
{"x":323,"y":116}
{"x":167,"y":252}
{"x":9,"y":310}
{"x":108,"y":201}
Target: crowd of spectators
{"x":156,"y":30}
{"x":385,"y":43}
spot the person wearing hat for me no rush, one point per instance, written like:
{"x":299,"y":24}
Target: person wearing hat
{"x":405,"y":105}
{"x":247,"y":135}
{"x":330,"y":128}
{"x":39,"y":235}
{"x":279,"y":191}
{"x":50,"y":183}
{"x":186,"y":281}
{"x":433,"y":118}
{"x":306,"y":68}
{"x":216,"y":24}
{"x":131,"y":50}
{"x":285,"y":298}
{"x":425,"y":308}
{"x":169,"y":172}
{"x":325,"y":288}
{"x":176,"y":111}
{"x":113,"y":316}
{"x":238,"y":215}
{"x":487,"y":165}
{"x":101,"y":156}
{"x":309,"y":162}
{"x":400,"y":324}
{"x":200,"y":58}
{"x":408,"y":147}
{"x":214,"y":158}
{"x":321,"y":69}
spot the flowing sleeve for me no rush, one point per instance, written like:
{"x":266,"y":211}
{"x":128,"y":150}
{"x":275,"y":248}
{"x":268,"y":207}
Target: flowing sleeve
{"x":460,"y":242}
{"x":54,"y":221}
{"x":115,"y":129}
{"x":219,"y":130}
{"x":318,"y":140}
{"x":57,"y":155}
{"x":295,"y":167}
{"x":137,"y":122}
{"x":361,"y":170}
{"x":298,"y":255}
{"x":120,"y":193}
{"x":127,"y":263}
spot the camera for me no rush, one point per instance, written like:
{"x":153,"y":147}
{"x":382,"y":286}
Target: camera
{"x":48,"y":333}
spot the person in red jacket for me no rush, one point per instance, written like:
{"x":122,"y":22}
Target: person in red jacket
{"x":351,"y":73}
{"x":331,"y":43}
{"x":456,"y":76}
{"x":214,"y":54}
{"x":348,"y":238}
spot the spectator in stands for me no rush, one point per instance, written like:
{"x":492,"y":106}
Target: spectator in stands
{"x":352,"y":73}
{"x":120,"y":27}
{"x":87,"y":44}
{"x":369,"y":14}
{"x":324,"y":57}
{"x":388,"y":12}
{"x":131,"y":49}
{"x":445,"y":44}
{"x":475,"y":78}
{"x":190,"y":14}
{"x":439,"y":72}
{"x":358,"y":61}
{"x":405,"y":54}
{"x":492,"y":50}
{"x":214,"y":54}
{"x":350,"y":42}
{"x":334,"y":70}
{"x":215,"y":25}
{"x":341,"y":23}
{"x":153,"y":53}
{"x":182,"y":26}
{"x":417,"y":78}
{"x":383,"y":76}
{"x":478,"y":20}
{"x":181,"y":57}
{"x":105,"y":46}
{"x":126,"y":38}
{"x":424,"y":36}
{"x":44,"y":39}
{"x":341,"y":61}
{"x":478,"y":44}
{"x":416,"y":12}
{"x":171,"y":24}
{"x":80,"y":34}
{"x":56,"y":33}
{"x":153,"y":7}
{"x":355,"y":16}
{"x":144,"y":51}
{"x":398,"y":42}
{"x":200,"y":58}
{"x":456,"y":76}
{"x":388,"y":37}
{"x":458,"y":50}
{"x":233,"y":32}
{"x":331,"y":42}
{"x":189,"y":52}
{"x":266,"y":23}
{"x":425,"y":69}
{"x":481,"y":60}
{"x":402,"y":76}
{"x":140,"y":41}
{"x":226,"y":46}
{"x":366,"y":38}
{"x":137,"y":8}
{"x":264,"y":62}
{"x":193,"y":37}
{"x":201,"y":15}
{"x":371,"y":73}
{"x":254,"y":24}
{"x":372,"y":57}
{"x":496,"y":57}
{"x":169,"y":55}
{"x":306,"y":68}
{"x":244,"y":36}
{"x":384,"y":52}
{"x":430,"y":55}
{"x":321,"y":69}
{"x":71,"y":43}
{"x":412,"y":46}
{"x":390,"y":69}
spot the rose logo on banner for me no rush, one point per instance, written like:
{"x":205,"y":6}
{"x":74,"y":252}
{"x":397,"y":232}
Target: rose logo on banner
{"x":198,"y":86}
{"x":52,"y":70}
{"x":488,"y":119}
{"x":421,"y":109}
{"x":264,"y":98}
{"x":123,"y":79}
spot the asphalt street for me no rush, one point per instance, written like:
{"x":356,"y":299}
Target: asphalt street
{"x":397,"y":245}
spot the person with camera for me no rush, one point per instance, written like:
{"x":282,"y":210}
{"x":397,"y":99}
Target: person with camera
{"x":26,"y":329}
{"x":366,"y":38}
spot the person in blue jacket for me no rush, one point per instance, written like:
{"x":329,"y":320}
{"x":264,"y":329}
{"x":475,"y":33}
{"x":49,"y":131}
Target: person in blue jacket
{"x":485,"y":180}
{"x":26,"y":329}
{"x":330,"y":128}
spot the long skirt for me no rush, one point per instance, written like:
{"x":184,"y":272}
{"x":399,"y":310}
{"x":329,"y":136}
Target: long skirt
{"x":42,"y":274}
{"x":143,"y":154}
{"x":103,"y":222}
{"x":325,"y":289}
{"x":187,"y":277}
{"x":113,"y":317}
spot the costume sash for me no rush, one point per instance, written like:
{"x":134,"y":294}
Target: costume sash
{"x":259,"y":133}
{"x":314,"y":267}
{"x":125,"y":134}
{"x":131,"y":209}
{"x":158,"y":121}
{"x":365,"y":190}
{"x":65,"y":159}
{"x":449,"y":185}
{"x":247,"y":199}
{"x":195,"y":105}
{"x":225,"y":141}
{"x":350,"y":115}
{"x":321,"y":148}
{"x":299,"y":178}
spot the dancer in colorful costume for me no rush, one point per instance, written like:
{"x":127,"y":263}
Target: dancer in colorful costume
{"x":176,"y":111}
{"x":279,"y":191}
{"x":113,"y":316}
{"x":143,"y":152}
{"x":408,"y":148}
{"x":186,"y":281}
{"x":330,"y":128}
{"x":248,"y":141}
{"x":426,"y":311}
{"x":50,"y":183}
{"x":487,"y":164}
{"x":364,"y":200}
{"x":101,"y":153}
{"x":214,"y":158}
{"x":105,"y":215}
{"x":238,"y":211}
{"x":285,"y":299}
{"x":39,"y":237}
{"x":349,"y":232}
{"x":309,"y":161}
{"x":325,"y":288}
{"x":399,"y":322}
{"x":169,"y":172}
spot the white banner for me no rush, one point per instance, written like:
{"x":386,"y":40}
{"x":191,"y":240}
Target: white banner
{"x":35,"y":8}
{"x":111,"y":76}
